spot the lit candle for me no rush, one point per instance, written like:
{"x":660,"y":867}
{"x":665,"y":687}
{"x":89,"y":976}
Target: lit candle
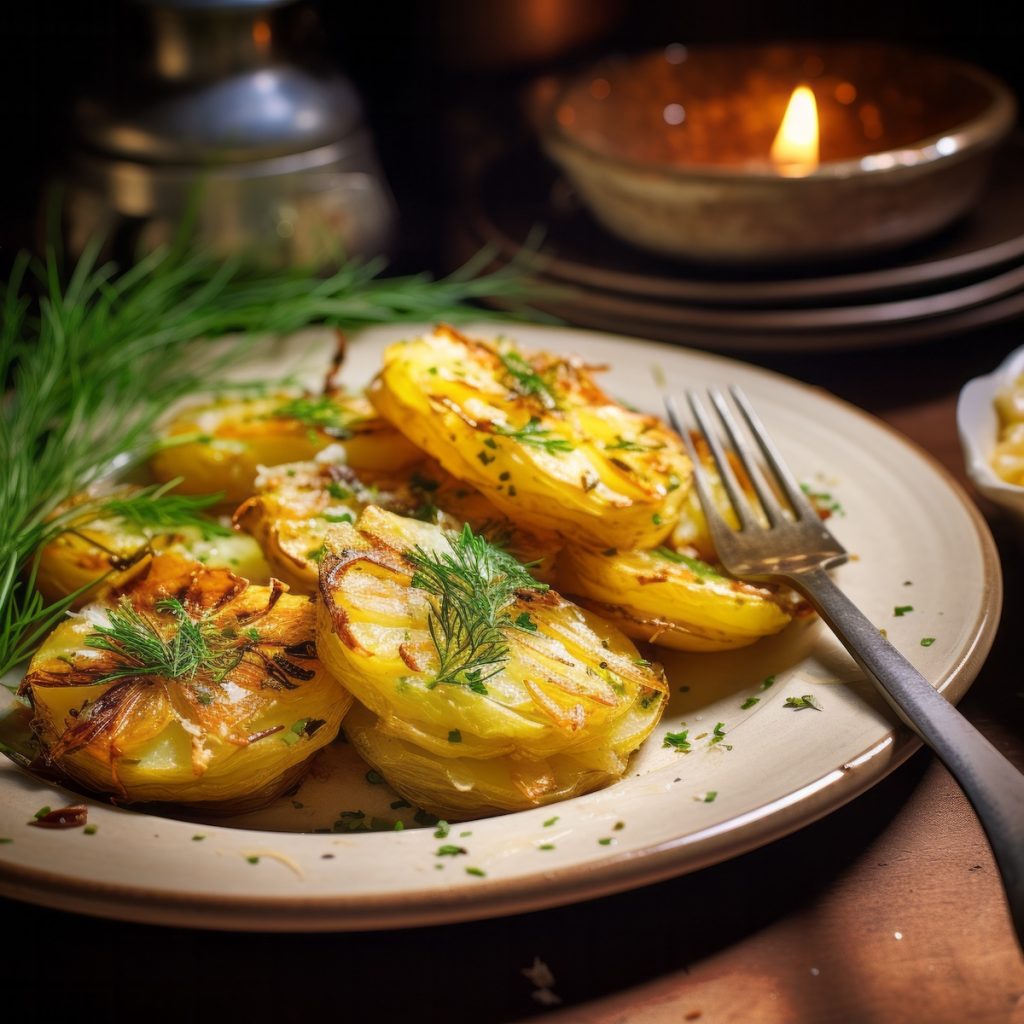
{"x":795,"y":149}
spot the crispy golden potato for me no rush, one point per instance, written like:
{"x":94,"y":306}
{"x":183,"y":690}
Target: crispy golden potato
{"x":296,"y":503}
{"x":186,"y":685}
{"x":112,"y":533}
{"x":537,"y":436}
{"x":231,"y":438}
{"x":458,"y":653}
{"x":671,"y":599}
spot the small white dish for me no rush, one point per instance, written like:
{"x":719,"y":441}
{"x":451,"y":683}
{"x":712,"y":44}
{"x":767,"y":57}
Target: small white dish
{"x":978,"y":425}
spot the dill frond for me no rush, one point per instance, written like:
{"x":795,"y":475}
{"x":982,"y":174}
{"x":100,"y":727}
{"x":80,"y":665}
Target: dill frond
{"x":473,"y":584}
{"x":181,"y":650}
{"x":91,"y":360}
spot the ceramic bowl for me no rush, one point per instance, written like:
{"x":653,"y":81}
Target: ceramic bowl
{"x":671,"y":150}
{"x":978,"y":426}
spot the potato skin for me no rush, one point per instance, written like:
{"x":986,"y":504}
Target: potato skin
{"x":566,"y":709}
{"x":537,"y":437}
{"x":228,"y":744}
{"x":235,"y":436}
{"x":670,"y":599}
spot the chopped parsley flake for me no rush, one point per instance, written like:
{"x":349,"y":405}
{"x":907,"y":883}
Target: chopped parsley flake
{"x":749,"y":703}
{"x":551,"y":821}
{"x":476,"y":872}
{"x":709,"y":796}
{"x":901,"y":609}
{"x":546,"y":846}
{"x":374,"y":778}
{"x":449,"y":850}
{"x":607,"y":841}
{"x":454,"y":736}
{"x":443,"y":828}
{"x":90,"y":830}
{"x":800,"y":703}
{"x":677,"y":740}
{"x":768,"y":683}
{"x":927,"y":641}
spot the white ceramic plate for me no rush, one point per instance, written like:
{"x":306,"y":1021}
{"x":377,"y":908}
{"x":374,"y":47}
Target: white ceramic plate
{"x":776,"y":770}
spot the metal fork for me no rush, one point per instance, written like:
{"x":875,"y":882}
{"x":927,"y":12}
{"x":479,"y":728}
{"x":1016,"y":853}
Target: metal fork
{"x":796,"y":548}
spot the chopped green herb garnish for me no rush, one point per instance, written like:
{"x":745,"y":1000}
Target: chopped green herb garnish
{"x":709,"y":796}
{"x":677,"y":740}
{"x":454,"y":736}
{"x":198,"y":838}
{"x":523,"y":621}
{"x":546,"y":846}
{"x":525,"y":380}
{"x":374,"y":778}
{"x":476,"y":872}
{"x":443,"y":828}
{"x":536,"y":436}
{"x":90,"y":830}
{"x":607,"y":841}
{"x":336,"y":491}
{"x":319,"y":412}
{"x":551,"y":821}
{"x":448,"y":850}
{"x":801,"y":703}
{"x":768,"y":682}
{"x":749,"y":703}
{"x":927,"y":641}
{"x":900,"y":610}
{"x":343,"y":517}
{"x":695,"y":565}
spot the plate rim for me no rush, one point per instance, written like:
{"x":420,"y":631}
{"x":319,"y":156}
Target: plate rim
{"x":573,"y":882}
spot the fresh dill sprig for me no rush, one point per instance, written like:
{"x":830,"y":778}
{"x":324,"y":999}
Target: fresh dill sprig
{"x":154,"y":510}
{"x":536,"y":436}
{"x":190,"y":647}
{"x":525,"y":379}
{"x":472,"y":584}
{"x":91,"y":359}
{"x":319,"y":412}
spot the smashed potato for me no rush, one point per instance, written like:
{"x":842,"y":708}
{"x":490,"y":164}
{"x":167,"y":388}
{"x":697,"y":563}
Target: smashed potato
{"x":456,"y":651}
{"x":537,"y":436}
{"x":670,"y":599}
{"x":296,"y":503}
{"x":219,"y":446}
{"x":113,"y":533}
{"x":186,"y":685}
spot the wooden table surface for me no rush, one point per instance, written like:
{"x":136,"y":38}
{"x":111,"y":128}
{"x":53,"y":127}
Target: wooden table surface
{"x":888,"y":911}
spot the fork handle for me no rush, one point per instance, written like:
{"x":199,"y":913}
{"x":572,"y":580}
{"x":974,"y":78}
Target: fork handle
{"x":992,"y":784}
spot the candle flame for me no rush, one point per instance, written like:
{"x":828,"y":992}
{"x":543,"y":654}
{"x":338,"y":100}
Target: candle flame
{"x":795,"y":149}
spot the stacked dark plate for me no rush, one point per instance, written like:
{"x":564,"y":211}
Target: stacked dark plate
{"x":969,"y":276}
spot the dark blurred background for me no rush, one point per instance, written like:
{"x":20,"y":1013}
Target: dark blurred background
{"x":435,"y":74}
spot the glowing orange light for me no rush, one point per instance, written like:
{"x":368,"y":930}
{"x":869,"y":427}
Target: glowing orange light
{"x":795,"y":149}
{"x":261,"y":33}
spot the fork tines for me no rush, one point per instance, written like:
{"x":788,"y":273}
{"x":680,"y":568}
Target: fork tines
{"x":800,"y":507}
